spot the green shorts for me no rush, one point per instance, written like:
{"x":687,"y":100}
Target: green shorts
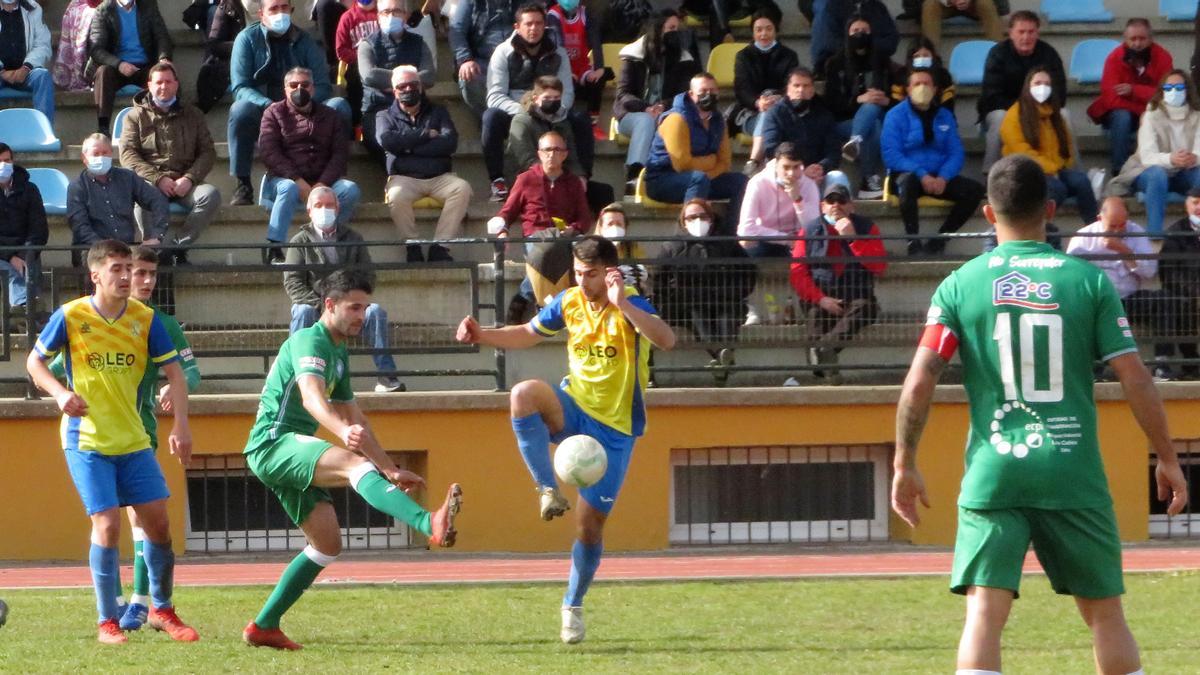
{"x":286,"y":466}
{"x":1079,"y":549}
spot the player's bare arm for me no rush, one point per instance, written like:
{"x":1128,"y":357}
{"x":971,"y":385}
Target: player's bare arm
{"x":1144,"y":400}
{"x":312,"y":394}
{"x":68,"y":401}
{"x":180,"y":439}
{"x":911,"y":414}
{"x":652,"y":327}
{"x":506,"y":337}
{"x":352,"y":415}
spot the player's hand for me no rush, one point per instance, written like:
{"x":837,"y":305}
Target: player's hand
{"x":405,"y":480}
{"x":615,"y":284}
{"x":832,"y":305}
{"x":180,"y":441}
{"x":907,"y":488}
{"x":469,"y":331}
{"x":1171,"y":486}
{"x":164,"y":397}
{"x":354,"y":436}
{"x":72,"y":404}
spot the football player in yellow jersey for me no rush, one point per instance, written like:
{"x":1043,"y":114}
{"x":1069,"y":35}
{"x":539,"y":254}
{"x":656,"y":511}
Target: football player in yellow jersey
{"x":108,"y":339}
{"x":610,"y":329}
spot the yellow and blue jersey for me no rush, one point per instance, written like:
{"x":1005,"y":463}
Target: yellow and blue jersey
{"x":608,"y":359}
{"x":105,"y":361}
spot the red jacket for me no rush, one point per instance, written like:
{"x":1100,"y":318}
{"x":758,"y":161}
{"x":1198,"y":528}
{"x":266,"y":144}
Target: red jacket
{"x":1117,"y":71}
{"x":294,"y":145}
{"x":801,"y":273}
{"x":355,"y":25}
{"x":534,"y":200}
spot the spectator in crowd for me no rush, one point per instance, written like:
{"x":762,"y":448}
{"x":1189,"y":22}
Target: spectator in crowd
{"x":613,"y":225}
{"x":24,"y":52}
{"x":167,"y":142}
{"x":1168,"y":149}
{"x":1196,"y":46}
{"x":530,"y":53}
{"x":624,"y":20}
{"x":1132,"y":73}
{"x":922,"y":55}
{"x":23,"y":230}
{"x":702,"y":284}
{"x":934,"y":12}
{"x":1035,"y":126}
{"x":1179,"y":271}
{"x":654,"y":69}
{"x":1004,"y":77}
{"x":690,"y":157}
{"x":585,"y":50}
{"x":124,"y":40}
{"x":857,"y":85}
{"x":100,"y":201}
{"x":542,"y":111}
{"x":477,"y":28}
{"x":212,"y":82}
{"x":804,"y":121}
{"x":420,"y":140}
{"x":833,"y":273}
{"x":780,"y":199}
{"x":548,"y":202}
{"x":303,"y":144}
{"x":830,"y":18}
{"x":760,"y":75}
{"x":356,"y":24}
{"x":924,"y":154}
{"x":72,"y":53}
{"x":262,"y":54}
{"x":324,"y":244}
{"x":392,"y":46}
{"x":1113,"y":244}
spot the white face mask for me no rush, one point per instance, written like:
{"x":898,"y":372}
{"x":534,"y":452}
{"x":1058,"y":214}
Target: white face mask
{"x":922,"y":62}
{"x":1195,"y":220}
{"x":99,"y":165}
{"x":6,"y":169}
{"x":613,"y":232}
{"x":1041,"y":92}
{"x":1175,"y":98}
{"x":391,"y":25}
{"x":698,"y":228}
{"x":125,"y":3}
{"x":324,"y":219}
{"x":829,"y":219}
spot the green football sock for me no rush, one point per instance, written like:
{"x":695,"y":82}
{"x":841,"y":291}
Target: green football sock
{"x":141,"y":580}
{"x":296,"y":579}
{"x":393,"y":501}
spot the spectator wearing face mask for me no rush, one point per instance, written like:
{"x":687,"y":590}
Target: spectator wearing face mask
{"x":857,"y":85}
{"x":212,"y":80}
{"x":613,"y":225}
{"x":804,"y":121}
{"x":923,"y":56}
{"x":100,"y":200}
{"x":1034,"y":126}
{"x":321,"y":246}
{"x":1179,"y":271}
{"x":829,"y":28}
{"x":388,"y":48}
{"x":23,"y":229}
{"x":581,"y":39}
{"x":760,"y":73}
{"x":1132,"y":73}
{"x":1168,"y":149}
{"x":125,"y":38}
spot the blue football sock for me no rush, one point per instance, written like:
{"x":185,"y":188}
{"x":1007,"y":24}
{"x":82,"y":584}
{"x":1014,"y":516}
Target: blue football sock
{"x":533,"y":438}
{"x":585,"y":559}
{"x":106,"y":570}
{"x":160,"y":567}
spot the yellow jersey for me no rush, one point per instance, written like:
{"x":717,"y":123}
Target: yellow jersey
{"x":105,"y":361}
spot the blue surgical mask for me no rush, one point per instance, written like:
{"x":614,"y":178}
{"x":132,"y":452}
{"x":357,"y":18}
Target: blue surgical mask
{"x":99,"y":165}
{"x":164,"y":104}
{"x":922,"y":62}
{"x":569,"y":5}
{"x":768,"y":47}
{"x":324,"y":219}
{"x":1175,"y":98}
{"x":6,"y":170}
{"x":1195,"y":220}
{"x":391,"y":25}
{"x":829,"y":219}
{"x":278,"y":23}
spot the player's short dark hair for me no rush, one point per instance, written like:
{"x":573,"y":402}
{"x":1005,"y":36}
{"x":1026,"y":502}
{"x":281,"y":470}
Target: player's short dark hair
{"x":145,"y":254}
{"x":789,"y":150}
{"x":1024,"y":15}
{"x":105,"y":249}
{"x":340,"y":283}
{"x":528,"y":7}
{"x":1017,"y":188}
{"x":593,"y":248}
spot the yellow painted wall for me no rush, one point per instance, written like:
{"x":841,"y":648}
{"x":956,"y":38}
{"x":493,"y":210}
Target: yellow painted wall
{"x":472,"y":443}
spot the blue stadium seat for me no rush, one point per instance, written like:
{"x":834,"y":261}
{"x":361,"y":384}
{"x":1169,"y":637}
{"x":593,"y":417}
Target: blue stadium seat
{"x":967,"y":59}
{"x":1075,"y":11}
{"x":118,"y":125}
{"x":178,"y":209}
{"x":1172,"y":198}
{"x":1087,"y":59}
{"x":52,"y":183}
{"x":1177,"y":10}
{"x":9,"y":92}
{"x":27,"y":130}
{"x":129,"y":90}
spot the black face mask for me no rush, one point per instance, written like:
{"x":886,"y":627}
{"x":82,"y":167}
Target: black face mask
{"x":801,"y":106}
{"x":300,"y":97}
{"x":672,"y":41}
{"x":707,"y":102}
{"x":409,"y":97}
{"x":859,"y":42}
{"x":549,"y":108}
{"x":1139,"y":57}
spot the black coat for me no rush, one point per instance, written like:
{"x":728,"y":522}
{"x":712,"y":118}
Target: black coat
{"x":22,"y":216}
{"x":680,"y":287}
{"x":844,"y":82}
{"x":755,"y":71}
{"x":104,"y":36}
{"x":1004,"y":76}
{"x":1179,"y":268}
{"x":410,"y":150}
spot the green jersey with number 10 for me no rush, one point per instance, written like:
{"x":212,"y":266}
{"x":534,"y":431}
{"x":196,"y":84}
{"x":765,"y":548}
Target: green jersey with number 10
{"x":1030,"y":322}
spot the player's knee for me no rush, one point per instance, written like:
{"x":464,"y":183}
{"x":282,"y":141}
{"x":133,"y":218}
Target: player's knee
{"x":1101,"y":612}
{"x":525,"y":395}
{"x":106,"y":532}
{"x":324,"y":552}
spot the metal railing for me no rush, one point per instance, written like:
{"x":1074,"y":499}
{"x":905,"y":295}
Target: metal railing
{"x":1185,"y":525}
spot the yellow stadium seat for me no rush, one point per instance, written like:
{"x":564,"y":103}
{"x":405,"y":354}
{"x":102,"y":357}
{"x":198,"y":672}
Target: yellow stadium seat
{"x":612,"y":59}
{"x":745,"y":139}
{"x":427,"y":203}
{"x":694,"y":21}
{"x":640,"y":197}
{"x":341,"y":78}
{"x":614,"y":134}
{"x":893,"y":200}
{"x":720,"y":62}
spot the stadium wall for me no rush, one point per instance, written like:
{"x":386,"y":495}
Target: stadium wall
{"x":467,"y":438}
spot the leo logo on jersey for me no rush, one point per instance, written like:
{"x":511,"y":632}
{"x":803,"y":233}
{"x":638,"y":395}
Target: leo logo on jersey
{"x":1017,"y":289}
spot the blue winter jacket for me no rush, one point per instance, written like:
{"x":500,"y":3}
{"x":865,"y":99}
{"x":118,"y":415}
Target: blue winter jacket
{"x":904,"y":147}
{"x":704,"y":141}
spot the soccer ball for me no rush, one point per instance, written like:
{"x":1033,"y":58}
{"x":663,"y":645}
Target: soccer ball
{"x":580,"y":460}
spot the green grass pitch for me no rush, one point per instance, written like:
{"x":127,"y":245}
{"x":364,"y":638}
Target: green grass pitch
{"x":903,"y":625}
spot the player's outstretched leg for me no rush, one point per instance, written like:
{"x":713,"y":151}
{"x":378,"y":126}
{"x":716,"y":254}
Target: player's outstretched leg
{"x":1112,"y":642}
{"x":535,"y":408}
{"x":585,"y":560}
{"x":987,"y":612}
{"x":135,"y":613}
{"x":366,"y":480}
{"x":160,"y":569}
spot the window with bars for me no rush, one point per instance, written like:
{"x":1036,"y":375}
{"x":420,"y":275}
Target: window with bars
{"x":1186,"y":524}
{"x":230,"y":510}
{"x":779,"y":494}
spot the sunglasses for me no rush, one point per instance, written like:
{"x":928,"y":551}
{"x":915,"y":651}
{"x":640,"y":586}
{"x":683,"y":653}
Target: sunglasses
{"x":1174,"y":87}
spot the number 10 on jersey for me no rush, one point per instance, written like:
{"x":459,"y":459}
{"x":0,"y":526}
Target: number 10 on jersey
{"x":1028,"y":326}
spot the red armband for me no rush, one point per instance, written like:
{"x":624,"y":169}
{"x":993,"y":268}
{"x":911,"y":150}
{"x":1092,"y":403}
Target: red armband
{"x":940,"y":339}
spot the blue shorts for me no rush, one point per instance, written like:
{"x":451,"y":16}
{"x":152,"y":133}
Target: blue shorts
{"x":108,"y":481}
{"x":618,"y":446}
